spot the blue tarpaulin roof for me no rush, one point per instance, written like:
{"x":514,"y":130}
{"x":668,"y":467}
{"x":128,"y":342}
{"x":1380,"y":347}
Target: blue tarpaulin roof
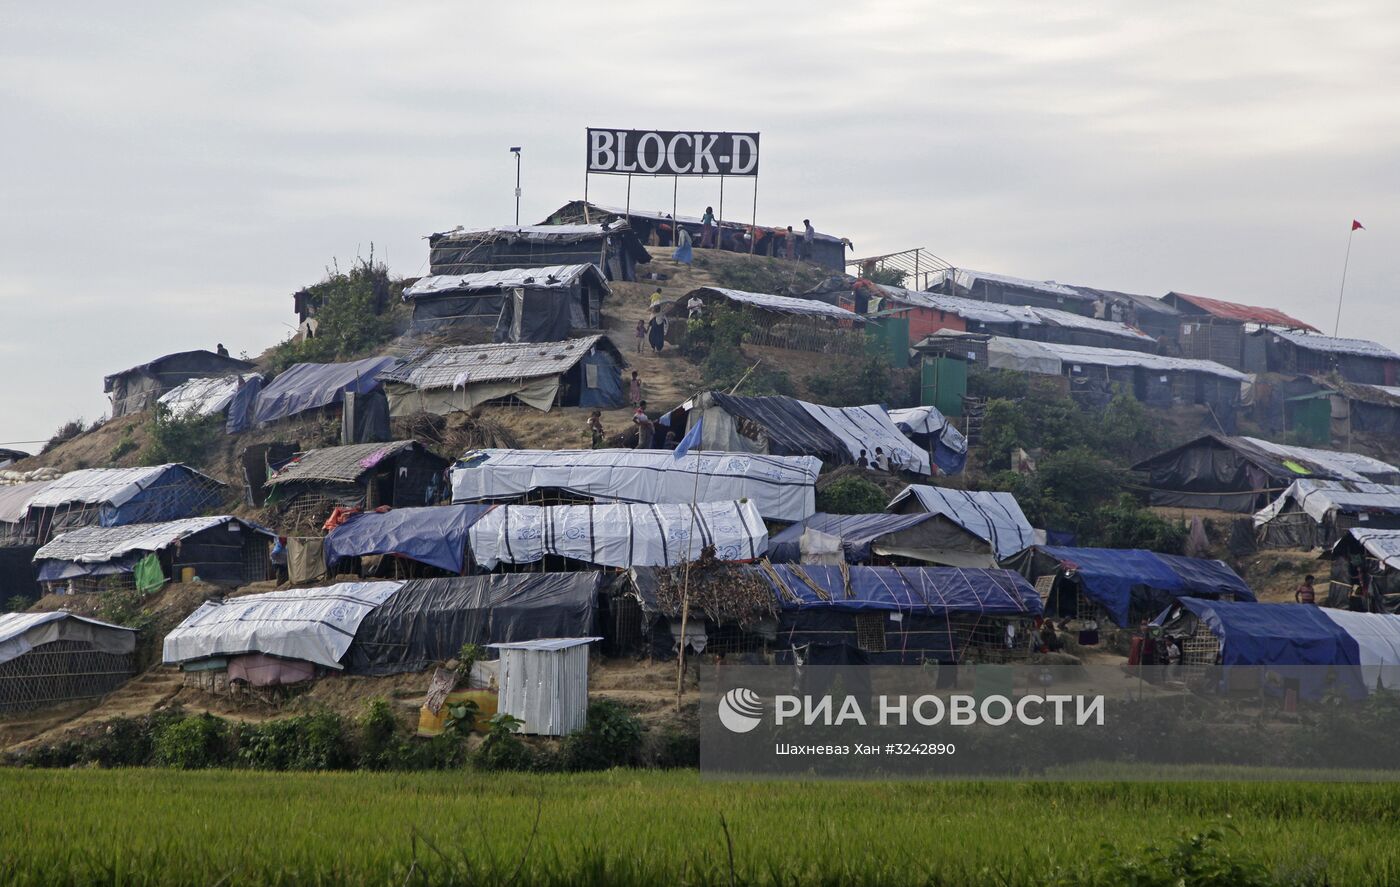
{"x":1111,"y":576}
{"x":856,"y":532}
{"x":905,"y":589}
{"x":309,"y":386}
{"x":436,"y":536}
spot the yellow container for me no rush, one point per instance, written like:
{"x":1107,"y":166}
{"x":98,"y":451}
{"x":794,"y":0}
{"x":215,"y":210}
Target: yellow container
{"x":187,"y":574}
{"x":430,"y":724}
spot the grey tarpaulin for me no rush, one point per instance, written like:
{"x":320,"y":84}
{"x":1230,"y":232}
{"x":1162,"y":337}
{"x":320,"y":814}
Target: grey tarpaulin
{"x":993,"y":517}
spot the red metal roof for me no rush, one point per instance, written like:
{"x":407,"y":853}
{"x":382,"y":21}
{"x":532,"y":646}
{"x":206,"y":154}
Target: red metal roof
{"x":1244,"y":313}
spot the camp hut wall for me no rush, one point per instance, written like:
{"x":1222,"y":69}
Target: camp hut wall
{"x":1355,"y":360}
{"x":219,"y":550}
{"x":306,"y":387}
{"x":398,"y":474}
{"x":513,"y":305}
{"x":980,"y":528}
{"x":111,"y":497}
{"x":138,"y":388}
{"x":1368,"y":557}
{"x":782,"y":321}
{"x":544,"y":683}
{"x":1005,"y":290}
{"x":1368,"y":408}
{"x":613,"y":247}
{"x":1212,"y":329}
{"x":49,"y":658}
{"x":1153,"y":316}
{"x":1316,"y":513}
{"x":583,"y":372}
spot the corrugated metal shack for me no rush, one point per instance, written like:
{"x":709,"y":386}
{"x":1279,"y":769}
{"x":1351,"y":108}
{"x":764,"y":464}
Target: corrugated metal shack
{"x":544,"y":683}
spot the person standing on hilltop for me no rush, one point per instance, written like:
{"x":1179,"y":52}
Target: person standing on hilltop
{"x":791,"y":243}
{"x":808,"y":235}
{"x":707,"y":232}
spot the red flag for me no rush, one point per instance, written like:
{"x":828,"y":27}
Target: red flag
{"x":1355,"y":224}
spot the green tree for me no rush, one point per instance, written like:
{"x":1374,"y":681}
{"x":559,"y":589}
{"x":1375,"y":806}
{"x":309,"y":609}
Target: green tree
{"x":352,"y":317}
{"x":852,"y":494}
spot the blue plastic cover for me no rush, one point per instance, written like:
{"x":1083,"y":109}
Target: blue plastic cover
{"x":309,"y":386}
{"x":856,"y":531}
{"x":240,"y":409}
{"x":608,"y":394}
{"x":935,"y":590}
{"x":436,"y":536}
{"x":1112,"y":576}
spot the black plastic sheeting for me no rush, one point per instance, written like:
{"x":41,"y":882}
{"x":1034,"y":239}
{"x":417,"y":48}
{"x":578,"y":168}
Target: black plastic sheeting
{"x":791,"y":430}
{"x":428,"y":620}
{"x":1223,"y":473}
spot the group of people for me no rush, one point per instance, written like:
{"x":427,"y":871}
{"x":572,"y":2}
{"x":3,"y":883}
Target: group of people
{"x":1356,"y":595}
{"x":879,"y":462}
{"x":645,"y":426}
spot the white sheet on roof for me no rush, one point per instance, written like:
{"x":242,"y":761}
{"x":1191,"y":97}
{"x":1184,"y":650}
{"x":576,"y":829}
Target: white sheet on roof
{"x":1021,"y":353}
{"x":781,"y":487}
{"x":1383,"y":545}
{"x":969,"y":309}
{"x":621,"y":535}
{"x":1377,"y":637}
{"x":966,"y":278}
{"x":869,"y":427}
{"x":547,"y":277}
{"x":1331,"y":345}
{"x":310,"y":624}
{"x":204,"y":397}
{"x":102,"y":544}
{"x":112,"y":486}
{"x":15,"y":499}
{"x":928,"y":420}
{"x":1321,"y":498}
{"x":1078,"y":321}
{"x":1021,"y":356}
{"x":22,"y":632}
{"x":787,"y":304}
{"x":1353,"y":466}
{"x":991,"y":516}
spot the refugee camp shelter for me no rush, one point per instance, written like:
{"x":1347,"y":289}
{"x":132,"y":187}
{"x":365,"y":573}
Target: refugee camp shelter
{"x":112,"y":497}
{"x":1245,"y":473}
{"x":9,"y":457}
{"x":1212,"y":329}
{"x":138,"y":388}
{"x":783,"y":321}
{"x":274,"y":638}
{"x":18,"y":541}
{"x":399,"y":474}
{"x":1122,"y":586}
{"x":1356,"y":360}
{"x":613,"y":247}
{"x":428,"y":620}
{"x":657,"y":228}
{"x":233,"y":396}
{"x":48,"y":658}
{"x":1314,"y":513}
{"x":1002,"y":289}
{"x":979,"y":527}
{"x":1369,"y":557}
{"x":304,"y":387}
{"x":878,"y":539}
{"x":1273,"y":647}
{"x":930,"y":429}
{"x":1151,"y":315}
{"x":786,"y":426}
{"x":782,"y":488}
{"x":222,"y":550}
{"x":544,"y":683}
{"x":403,"y":541}
{"x":618,"y":535}
{"x":513,"y":305}
{"x":582,"y":372}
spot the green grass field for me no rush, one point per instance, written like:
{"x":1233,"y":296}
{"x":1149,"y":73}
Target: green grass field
{"x":137,"y":827}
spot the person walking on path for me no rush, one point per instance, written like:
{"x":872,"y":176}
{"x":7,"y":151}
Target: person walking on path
{"x":595,"y":428}
{"x":707,"y":232}
{"x":645,"y":428}
{"x":656,"y":332}
{"x":634,"y":391}
{"x":641,"y":333}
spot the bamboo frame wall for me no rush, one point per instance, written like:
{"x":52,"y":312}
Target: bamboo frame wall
{"x":61,"y":671}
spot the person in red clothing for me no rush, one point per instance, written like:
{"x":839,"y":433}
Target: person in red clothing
{"x":1306,"y":594}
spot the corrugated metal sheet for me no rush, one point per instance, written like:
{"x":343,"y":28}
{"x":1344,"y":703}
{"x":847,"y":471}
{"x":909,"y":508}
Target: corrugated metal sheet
{"x":1113,"y":357}
{"x":969,"y":309}
{"x":694,"y":220}
{"x":1330,"y":345}
{"x":460,"y":365}
{"x":1242,"y":313}
{"x":783,"y":304}
{"x":965,"y":279}
{"x":339,"y":464}
{"x":548,"y":277}
{"x":546,"y":686}
{"x":95,"y":545}
{"x":542,"y":233}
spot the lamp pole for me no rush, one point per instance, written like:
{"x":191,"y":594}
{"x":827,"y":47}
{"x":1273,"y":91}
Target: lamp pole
{"x":516,"y":151}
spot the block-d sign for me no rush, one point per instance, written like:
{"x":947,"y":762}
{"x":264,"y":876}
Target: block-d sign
{"x":650,"y":152}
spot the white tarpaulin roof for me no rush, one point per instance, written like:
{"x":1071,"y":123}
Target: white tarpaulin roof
{"x":460,"y":365}
{"x":1055,"y":317}
{"x":928,"y":420}
{"x":781,"y":487}
{"x":867,"y":428}
{"x":109,"y":486}
{"x":1377,"y":637}
{"x":994,"y":517}
{"x":310,"y":624}
{"x":1022,"y":356}
{"x":1026,"y":352}
{"x":531,"y":232}
{"x":619,"y":535}
{"x":15,"y":499}
{"x":965,"y":278}
{"x":1320,"y":498}
{"x":547,"y":277}
{"x":784,"y":304}
{"x":1383,"y":545}
{"x":96,"y":545}
{"x":1330,"y":345}
{"x":22,"y":632}
{"x":968,"y":309}
{"x":1353,"y":466}
{"x":204,"y":397}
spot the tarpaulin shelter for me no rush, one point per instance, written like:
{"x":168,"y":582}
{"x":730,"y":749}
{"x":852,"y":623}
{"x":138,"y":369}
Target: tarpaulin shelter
{"x":1151,"y":315}
{"x":1000,"y":288}
{"x":619,"y":535}
{"x":138,"y":388}
{"x":1356,"y":360}
{"x":302,"y":387}
{"x":930,"y":429}
{"x":984,"y":526}
{"x":1245,"y":473}
{"x":582,"y":372}
{"x":14,"y":508}
{"x":613,"y":247}
{"x":9,"y":457}
{"x":783,"y":321}
{"x":428,"y":620}
{"x":1316,"y":513}
{"x":916,"y":537}
{"x":781,"y":487}
{"x":400,"y":474}
{"x":1128,"y":585}
{"x":516,"y":304}
{"x":48,"y":658}
{"x":1369,"y":557}
{"x":1306,"y":650}
{"x":222,"y":550}
{"x":1213,"y":329}
{"x":314,"y":625}
{"x":786,"y":426}
{"x":435,"y":536}
{"x":111,"y":497}
{"x":232,"y":396}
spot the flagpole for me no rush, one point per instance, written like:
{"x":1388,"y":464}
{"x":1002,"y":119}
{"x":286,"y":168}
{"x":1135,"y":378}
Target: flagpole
{"x":685,"y":583}
{"x":1336,"y":327}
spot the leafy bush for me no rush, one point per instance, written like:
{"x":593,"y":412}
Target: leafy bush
{"x":998,"y":385}
{"x":351,"y":318}
{"x":125,"y":444}
{"x":184,"y":437}
{"x":17,"y":604}
{"x":714,"y":340}
{"x":192,"y":743}
{"x":124,"y":606}
{"x":1126,"y":524}
{"x":308,"y":742}
{"x":66,"y":432}
{"x":612,"y":737}
{"x":852,"y":494}
{"x":886,"y":276}
{"x":868,"y":382}
{"x":502,"y":749}
{"x":678,"y":748}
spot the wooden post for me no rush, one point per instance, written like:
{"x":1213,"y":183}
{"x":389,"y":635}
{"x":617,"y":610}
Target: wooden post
{"x":585,"y":196}
{"x":675,"y":220}
{"x":753,"y":224}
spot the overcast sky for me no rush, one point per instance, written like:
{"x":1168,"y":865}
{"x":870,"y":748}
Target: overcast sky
{"x":173,"y":172}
